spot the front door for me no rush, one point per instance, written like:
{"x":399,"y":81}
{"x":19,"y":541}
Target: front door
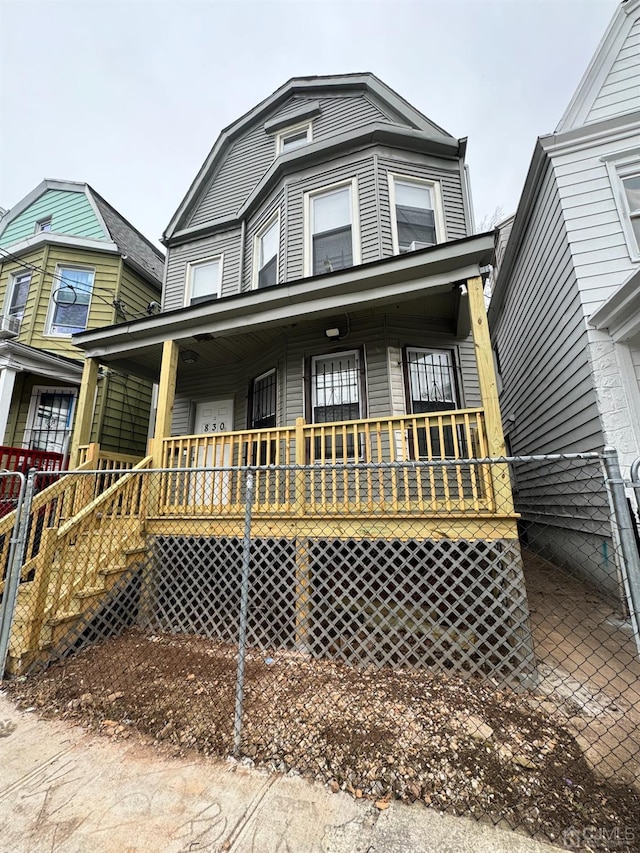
{"x":213,"y":416}
{"x":49,"y":419}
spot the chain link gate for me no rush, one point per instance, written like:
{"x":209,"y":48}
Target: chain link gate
{"x":378,"y":627}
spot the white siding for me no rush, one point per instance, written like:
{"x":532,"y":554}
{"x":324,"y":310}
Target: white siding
{"x":620,"y":91}
{"x":599,"y":248}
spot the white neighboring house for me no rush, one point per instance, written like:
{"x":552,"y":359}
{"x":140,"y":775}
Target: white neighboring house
{"x":565,"y":313}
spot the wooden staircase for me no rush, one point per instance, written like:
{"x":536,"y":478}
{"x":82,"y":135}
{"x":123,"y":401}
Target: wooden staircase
{"x":77,"y":562}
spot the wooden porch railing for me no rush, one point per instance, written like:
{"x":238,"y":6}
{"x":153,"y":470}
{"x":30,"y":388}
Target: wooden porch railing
{"x":326,"y":490}
{"x":60,"y":499}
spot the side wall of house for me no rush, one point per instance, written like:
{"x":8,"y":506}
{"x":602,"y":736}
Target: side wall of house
{"x":605,"y":254}
{"x":548,"y":400}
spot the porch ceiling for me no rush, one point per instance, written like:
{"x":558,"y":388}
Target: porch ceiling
{"x":225,"y":330}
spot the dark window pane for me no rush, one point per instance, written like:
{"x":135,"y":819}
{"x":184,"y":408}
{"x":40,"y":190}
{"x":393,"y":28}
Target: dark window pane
{"x":332,"y":250}
{"x":415,"y":224}
{"x":263,"y":402}
{"x":267,"y":275}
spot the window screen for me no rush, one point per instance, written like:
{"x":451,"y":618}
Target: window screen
{"x":205,"y":280}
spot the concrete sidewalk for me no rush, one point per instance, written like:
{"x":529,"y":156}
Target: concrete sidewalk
{"x":65,"y":791}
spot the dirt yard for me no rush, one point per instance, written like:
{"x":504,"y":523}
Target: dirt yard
{"x":463,"y":747}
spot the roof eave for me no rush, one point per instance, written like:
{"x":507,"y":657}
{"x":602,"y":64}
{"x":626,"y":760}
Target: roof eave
{"x":446,"y":262}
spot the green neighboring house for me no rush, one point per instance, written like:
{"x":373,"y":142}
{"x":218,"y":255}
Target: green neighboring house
{"x":69,"y":262}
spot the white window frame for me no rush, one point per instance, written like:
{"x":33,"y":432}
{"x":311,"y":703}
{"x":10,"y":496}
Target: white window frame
{"x":352,"y":184}
{"x":256,"y":249}
{"x":45,"y":220}
{"x":36,"y":391}
{"x":621,"y":165}
{"x":362,"y":389}
{"x":55,"y":286}
{"x":8,"y":297}
{"x":438,"y":210}
{"x":293,"y":130}
{"x":189,"y":277}
{"x":452,"y":357}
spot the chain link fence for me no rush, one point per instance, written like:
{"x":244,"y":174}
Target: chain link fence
{"x":393,"y":630}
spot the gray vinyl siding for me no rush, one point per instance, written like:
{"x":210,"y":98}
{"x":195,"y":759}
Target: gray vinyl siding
{"x":542,"y":341}
{"x":620,"y":92}
{"x":227,"y":243}
{"x":428,"y":169}
{"x":379,"y":337}
{"x":361,"y":168}
{"x":254,"y":225}
{"x":250,"y":156}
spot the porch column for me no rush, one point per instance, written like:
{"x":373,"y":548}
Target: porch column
{"x":84,"y":412}
{"x":489,"y":393}
{"x":166,"y":397}
{"x":7,"y":381}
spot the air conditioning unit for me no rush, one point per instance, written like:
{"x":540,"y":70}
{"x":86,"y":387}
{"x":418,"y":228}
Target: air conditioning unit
{"x":416,"y":244}
{"x":9,"y":326}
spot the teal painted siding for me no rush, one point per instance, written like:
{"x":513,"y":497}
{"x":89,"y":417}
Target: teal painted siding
{"x":71,"y":213}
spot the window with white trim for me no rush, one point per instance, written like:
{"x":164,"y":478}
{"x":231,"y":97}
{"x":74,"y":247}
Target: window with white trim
{"x":416,"y":220}
{"x":19,"y":291}
{"x":49,"y":419}
{"x":70,"y":300}
{"x":623,"y":168}
{"x":331,"y":225}
{"x":43,"y":225}
{"x":336,"y":395}
{"x":266,"y":246}
{"x":293,"y":137}
{"x":631,"y":186}
{"x":204,"y":280}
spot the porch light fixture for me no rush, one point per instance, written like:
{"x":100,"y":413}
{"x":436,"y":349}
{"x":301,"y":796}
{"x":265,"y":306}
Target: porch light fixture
{"x":189,"y":356}
{"x":332,"y":333}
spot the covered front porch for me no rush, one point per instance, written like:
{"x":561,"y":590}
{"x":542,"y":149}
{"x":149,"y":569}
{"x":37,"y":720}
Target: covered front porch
{"x":371,"y":382}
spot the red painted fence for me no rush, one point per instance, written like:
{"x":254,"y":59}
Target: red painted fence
{"x":22,"y":460}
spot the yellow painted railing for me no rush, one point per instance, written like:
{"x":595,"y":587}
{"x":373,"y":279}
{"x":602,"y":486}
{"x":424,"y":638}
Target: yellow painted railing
{"x":64,"y":498}
{"x":92,"y":542}
{"x":105,"y":460}
{"x":325,"y":490}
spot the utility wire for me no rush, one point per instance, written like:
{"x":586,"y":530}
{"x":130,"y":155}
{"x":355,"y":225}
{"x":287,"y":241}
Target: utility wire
{"x":119,"y":308}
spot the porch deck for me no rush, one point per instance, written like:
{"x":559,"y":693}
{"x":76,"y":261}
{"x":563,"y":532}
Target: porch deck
{"x":363,"y":472}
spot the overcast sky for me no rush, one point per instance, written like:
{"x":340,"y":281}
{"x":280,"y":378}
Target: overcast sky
{"x":130,"y":95}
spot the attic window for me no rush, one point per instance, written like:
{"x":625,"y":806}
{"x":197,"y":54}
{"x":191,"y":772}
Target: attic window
{"x":43,"y":225}
{"x":293,"y":137}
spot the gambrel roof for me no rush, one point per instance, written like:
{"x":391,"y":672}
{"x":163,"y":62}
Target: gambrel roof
{"x":388,"y":118}
{"x":101,"y":224}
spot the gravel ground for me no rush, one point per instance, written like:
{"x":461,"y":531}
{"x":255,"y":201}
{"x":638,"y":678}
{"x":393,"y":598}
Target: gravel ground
{"x":460,"y":746}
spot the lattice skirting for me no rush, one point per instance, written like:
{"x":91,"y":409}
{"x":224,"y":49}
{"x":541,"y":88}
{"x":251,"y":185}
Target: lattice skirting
{"x":442,"y":604}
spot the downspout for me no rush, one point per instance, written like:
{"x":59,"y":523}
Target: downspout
{"x":243,"y":237}
{"x":466,"y":188}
